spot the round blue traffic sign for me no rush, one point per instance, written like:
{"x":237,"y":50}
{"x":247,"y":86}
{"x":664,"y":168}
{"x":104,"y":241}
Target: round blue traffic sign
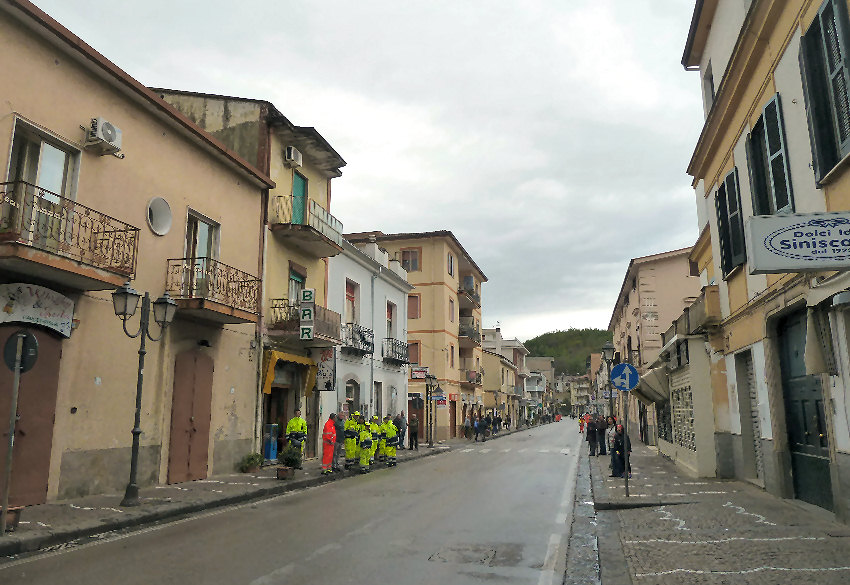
{"x":624,"y":377}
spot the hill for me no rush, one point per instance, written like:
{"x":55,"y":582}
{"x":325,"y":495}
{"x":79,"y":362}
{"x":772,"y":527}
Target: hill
{"x":569,"y":348}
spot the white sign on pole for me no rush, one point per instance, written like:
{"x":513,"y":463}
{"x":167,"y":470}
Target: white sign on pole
{"x":798,"y":242}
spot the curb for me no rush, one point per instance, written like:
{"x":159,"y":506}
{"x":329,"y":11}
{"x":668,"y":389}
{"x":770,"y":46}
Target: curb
{"x":12,"y":544}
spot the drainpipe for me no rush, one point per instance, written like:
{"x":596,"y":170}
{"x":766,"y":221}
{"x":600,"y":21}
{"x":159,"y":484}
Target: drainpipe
{"x":372,"y":360}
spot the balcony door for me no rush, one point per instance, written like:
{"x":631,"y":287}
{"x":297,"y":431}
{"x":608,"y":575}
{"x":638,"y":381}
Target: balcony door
{"x":201,"y":248}
{"x":299,"y":198}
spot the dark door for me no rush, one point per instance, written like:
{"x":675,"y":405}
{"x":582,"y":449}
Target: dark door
{"x":804,"y":414}
{"x":453,"y":418}
{"x":34,"y":428}
{"x":190,"y":417}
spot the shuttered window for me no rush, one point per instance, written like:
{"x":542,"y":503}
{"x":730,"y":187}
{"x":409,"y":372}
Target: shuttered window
{"x":413,"y":306}
{"x":826,"y":81}
{"x":770,"y":177}
{"x":730,"y":223}
{"x":413,"y":352}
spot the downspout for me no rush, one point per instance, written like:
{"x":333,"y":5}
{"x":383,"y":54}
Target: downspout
{"x":372,"y":360}
{"x":264,"y":163}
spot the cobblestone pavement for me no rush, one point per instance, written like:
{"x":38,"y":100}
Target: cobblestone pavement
{"x":681,"y":530}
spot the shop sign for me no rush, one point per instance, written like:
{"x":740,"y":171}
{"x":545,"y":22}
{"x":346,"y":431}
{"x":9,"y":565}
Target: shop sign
{"x":418,"y":372}
{"x":798,"y":242}
{"x":454,"y":397}
{"x":440,"y":401}
{"x":30,"y":303}
{"x":308,"y":310}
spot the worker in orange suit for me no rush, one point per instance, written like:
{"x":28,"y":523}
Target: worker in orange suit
{"x":328,"y":441}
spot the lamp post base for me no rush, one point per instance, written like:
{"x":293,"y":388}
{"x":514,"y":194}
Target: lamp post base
{"x":131,"y":496}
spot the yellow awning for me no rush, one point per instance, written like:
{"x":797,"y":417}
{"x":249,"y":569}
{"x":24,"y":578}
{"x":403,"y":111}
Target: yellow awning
{"x":272,"y":357}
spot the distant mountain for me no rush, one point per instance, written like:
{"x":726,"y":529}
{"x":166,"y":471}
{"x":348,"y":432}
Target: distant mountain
{"x":569,"y":348}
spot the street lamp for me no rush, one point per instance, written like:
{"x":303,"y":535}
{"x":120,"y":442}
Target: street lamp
{"x":125,"y":301}
{"x":608,"y":356}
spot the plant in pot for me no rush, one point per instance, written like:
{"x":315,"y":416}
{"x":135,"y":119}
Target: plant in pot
{"x":289,"y":459}
{"x":251,"y":463}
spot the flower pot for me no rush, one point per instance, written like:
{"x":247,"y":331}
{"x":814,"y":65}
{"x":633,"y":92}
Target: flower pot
{"x":285,"y":472}
{"x":13,"y":516}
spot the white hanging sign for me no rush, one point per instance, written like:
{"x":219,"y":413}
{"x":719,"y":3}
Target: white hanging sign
{"x":29,"y":303}
{"x":798,"y":242}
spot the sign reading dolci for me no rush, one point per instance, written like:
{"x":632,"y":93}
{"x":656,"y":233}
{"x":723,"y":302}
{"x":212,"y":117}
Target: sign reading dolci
{"x":798,"y":242}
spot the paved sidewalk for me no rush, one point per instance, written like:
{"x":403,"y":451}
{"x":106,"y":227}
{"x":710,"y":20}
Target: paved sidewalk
{"x":60,"y":523}
{"x":681,"y":530}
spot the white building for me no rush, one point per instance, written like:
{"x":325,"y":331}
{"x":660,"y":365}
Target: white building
{"x":370,"y":369}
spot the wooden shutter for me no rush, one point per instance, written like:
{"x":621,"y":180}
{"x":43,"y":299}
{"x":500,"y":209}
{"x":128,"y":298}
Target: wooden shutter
{"x":818,"y":110}
{"x":834,"y":34}
{"x":413,"y":353}
{"x":757,"y":165}
{"x":777,"y":157}
{"x":412,"y":306}
{"x":737,"y":249}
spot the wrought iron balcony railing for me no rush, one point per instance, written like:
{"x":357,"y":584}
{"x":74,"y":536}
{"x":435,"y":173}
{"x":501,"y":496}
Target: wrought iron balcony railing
{"x":317,"y":217}
{"x":475,"y":377}
{"x":209,"y":279}
{"x":358,"y":338}
{"x":286,"y":318}
{"x":468,"y":327}
{"x":395,"y":350}
{"x":35,"y":217}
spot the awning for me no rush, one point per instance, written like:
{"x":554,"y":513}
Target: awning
{"x":273,"y":357}
{"x":654,"y":386}
{"x":832,"y":286}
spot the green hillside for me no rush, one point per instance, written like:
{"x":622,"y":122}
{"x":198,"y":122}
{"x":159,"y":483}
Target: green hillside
{"x":569,"y":348}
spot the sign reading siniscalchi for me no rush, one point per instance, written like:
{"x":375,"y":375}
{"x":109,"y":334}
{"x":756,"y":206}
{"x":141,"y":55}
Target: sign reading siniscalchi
{"x":798,"y":242}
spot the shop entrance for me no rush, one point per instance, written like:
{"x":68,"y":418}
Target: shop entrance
{"x":804,"y":416}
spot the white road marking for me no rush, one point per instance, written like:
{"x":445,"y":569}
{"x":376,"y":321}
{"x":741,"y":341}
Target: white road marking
{"x":669,"y":516}
{"x":547,"y":575}
{"x":465,"y":450}
{"x":275,"y":576}
{"x":745,"y":571}
{"x":565,"y":451}
{"x":739,"y":510}
{"x":506,"y":450}
{"x":486,"y":450}
{"x":722,"y":540}
{"x":523,"y":450}
{"x":543,"y":450}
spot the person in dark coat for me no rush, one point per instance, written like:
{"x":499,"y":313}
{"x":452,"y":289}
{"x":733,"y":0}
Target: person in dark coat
{"x":591,"y":437}
{"x":339,"y":448}
{"x":601,"y":427}
{"x":621,"y":445}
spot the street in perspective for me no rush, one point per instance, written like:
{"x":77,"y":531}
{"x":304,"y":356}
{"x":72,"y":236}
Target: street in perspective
{"x":550,"y":293}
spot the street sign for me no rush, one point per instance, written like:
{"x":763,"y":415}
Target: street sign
{"x":29,"y":352}
{"x":418,"y":372}
{"x":624,"y":377}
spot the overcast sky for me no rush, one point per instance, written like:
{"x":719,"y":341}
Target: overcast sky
{"x":551,"y":136}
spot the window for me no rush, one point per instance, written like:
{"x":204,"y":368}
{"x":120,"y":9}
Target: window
{"x":413,"y":352}
{"x":451,"y":264}
{"x":44,"y":164}
{"x":352,"y":294}
{"x":390,"y":320}
{"x":452,"y":310}
{"x":451,"y":356}
{"x":768,"y":162}
{"x":414,"y":306}
{"x":826,"y":82}
{"x":410,"y":259}
{"x":730,"y":224}
{"x":296,"y":285}
{"x":708,"y":89}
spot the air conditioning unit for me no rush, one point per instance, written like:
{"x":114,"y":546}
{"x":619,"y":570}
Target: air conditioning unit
{"x":292,"y":156}
{"x":103,"y":136}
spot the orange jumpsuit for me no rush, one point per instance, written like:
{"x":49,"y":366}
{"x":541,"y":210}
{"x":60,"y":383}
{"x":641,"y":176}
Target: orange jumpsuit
{"x":328,"y":440}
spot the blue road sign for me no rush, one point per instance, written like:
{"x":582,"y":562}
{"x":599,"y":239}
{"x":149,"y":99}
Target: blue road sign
{"x":624,"y":377}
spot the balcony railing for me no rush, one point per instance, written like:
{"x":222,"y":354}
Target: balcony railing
{"x":395,"y":350}
{"x":358,"y":338}
{"x":209,"y":279}
{"x":518,"y":389}
{"x":35,"y":217}
{"x":475,"y":377}
{"x":468,"y":327}
{"x":317,"y":217}
{"x":286,"y":318}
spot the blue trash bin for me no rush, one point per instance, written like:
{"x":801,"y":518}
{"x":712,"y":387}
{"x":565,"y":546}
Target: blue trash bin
{"x":270,"y":433}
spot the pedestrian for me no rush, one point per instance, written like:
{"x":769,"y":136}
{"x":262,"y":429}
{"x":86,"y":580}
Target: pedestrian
{"x":488,"y":425}
{"x":621,"y":446}
{"x":467,"y":428}
{"x":328,"y":444}
{"x":581,"y":424}
{"x":402,"y":429}
{"x":477,"y":427}
{"x":413,"y":433}
{"x":508,"y":422}
{"x":375,"y":428}
{"x":296,"y":432}
{"x":601,"y":428}
{"x":365,"y":441}
{"x":591,"y":436}
{"x":497,"y":423}
{"x":382,"y":441}
{"x":351,"y":437}
{"x":391,"y":441}
{"x":609,"y":438}
{"x":339,"y":445}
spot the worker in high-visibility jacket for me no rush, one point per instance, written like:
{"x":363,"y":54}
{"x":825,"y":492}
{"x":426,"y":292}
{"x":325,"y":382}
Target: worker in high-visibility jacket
{"x":328,"y":443}
{"x":365,"y":440}
{"x":391,"y":440}
{"x":375,"y":428}
{"x":382,"y":442}
{"x":296,"y":432}
{"x":351,"y":432}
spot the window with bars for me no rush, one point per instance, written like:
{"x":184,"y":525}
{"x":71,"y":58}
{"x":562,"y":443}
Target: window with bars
{"x":682,"y":417}
{"x":730,"y":223}
{"x":824,"y":65}
{"x":768,"y":163}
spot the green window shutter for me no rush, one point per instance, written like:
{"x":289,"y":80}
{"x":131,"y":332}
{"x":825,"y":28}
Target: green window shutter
{"x":737,"y":249}
{"x":777,"y":157}
{"x":723,"y":229}
{"x":834,"y":35}
{"x":757,"y":166}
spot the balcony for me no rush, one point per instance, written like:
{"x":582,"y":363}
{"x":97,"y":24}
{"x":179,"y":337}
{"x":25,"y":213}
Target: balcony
{"x":313,"y":230}
{"x":518,"y":389}
{"x":705,"y":312}
{"x":467,"y":296}
{"x":469,"y":332}
{"x":395,"y":350}
{"x":357,"y":339}
{"x":45,"y":236}
{"x":208,"y":290}
{"x":471,"y":377}
{"x":285,"y":321}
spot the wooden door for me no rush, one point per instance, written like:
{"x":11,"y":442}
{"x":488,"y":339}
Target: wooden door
{"x":804,"y":416}
{"x":190,"y":417}
{"x":36,"y":412}
{"x":452,"y":418}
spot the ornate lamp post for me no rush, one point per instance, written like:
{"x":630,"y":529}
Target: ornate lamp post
{"x":125,"y":301}
{"x":608,"y":356}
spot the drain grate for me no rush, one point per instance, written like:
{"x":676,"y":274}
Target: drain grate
{"x":465,"y":555}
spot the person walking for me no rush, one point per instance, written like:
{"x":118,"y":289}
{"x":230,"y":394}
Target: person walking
{"x":488,"y":425}
{"x":621,"y":446}
{"x":391,"y":441}
{"x":413,"y":433}
{"x":601,"y":428}
{"x":581,"y":424}
{"x":477,"y":427}
{"x":609,"y":438}
{"x":296,"y":432}
{"x":508,"y":422}
{"x":351,"y":437}
{"x":328,"y":444}
{"x":591,"y":436}
{"x":339,"y":444}
{"x":402,"y":429}
{"x":375,"y":429}
{"x":467,"y":428}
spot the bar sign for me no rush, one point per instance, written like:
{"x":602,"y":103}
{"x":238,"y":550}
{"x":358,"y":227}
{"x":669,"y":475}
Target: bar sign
{"x":308,"y":314}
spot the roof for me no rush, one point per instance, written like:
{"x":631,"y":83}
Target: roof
{"x":139,"y":91}
{"x":382,"y":237}
{"x":698,"y":32}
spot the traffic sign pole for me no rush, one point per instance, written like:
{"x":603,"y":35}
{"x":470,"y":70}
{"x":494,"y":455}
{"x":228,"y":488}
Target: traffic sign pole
{"x":13,"y":413}
{"x":625,"y":377}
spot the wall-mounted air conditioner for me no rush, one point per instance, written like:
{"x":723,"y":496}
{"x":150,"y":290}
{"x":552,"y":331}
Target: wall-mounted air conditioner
{"x":292,"y":156}
{"x":103,"y":136}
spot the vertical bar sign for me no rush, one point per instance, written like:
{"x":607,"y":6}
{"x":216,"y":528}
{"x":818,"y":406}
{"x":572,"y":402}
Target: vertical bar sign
{"x":308,"y":314}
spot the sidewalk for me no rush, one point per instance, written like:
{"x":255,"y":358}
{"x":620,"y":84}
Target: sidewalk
{"x":59,"y":523}
{"x":680,"y":530}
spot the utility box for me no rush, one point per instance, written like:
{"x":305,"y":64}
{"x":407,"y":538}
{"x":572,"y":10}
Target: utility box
{"x":270,"y":433}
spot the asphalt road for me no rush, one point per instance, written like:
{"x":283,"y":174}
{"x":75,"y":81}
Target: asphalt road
{"x":486,"y":512}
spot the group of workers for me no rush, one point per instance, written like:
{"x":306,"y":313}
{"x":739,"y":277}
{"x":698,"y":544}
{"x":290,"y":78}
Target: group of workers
{"x":370,"y":442}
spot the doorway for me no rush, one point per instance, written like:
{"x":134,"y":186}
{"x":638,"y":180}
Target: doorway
{"x":36,"y":413}
{"x":379,"y":400}
{"x":191,"y":408}
{"x":750,"y":419}
{"x":804,"y":416}
{"x":452,"y":419}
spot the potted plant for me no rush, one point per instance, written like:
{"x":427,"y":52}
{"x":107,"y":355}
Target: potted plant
{"x":251,"y":463}
{"x":290,"y":460}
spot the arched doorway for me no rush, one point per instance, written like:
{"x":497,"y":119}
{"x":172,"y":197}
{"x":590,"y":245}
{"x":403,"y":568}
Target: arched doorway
{"x":352,"y":395}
